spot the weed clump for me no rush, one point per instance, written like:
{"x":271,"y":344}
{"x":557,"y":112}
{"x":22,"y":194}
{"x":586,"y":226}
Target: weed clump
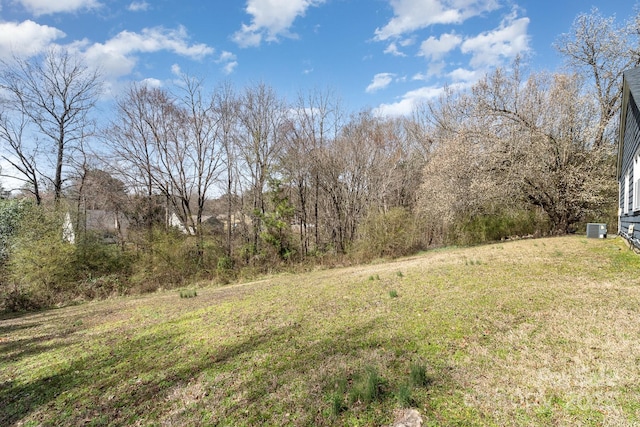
{"x":188,"y":293}
{"x":418,"y":376}
{"x":403,"y":396}
{"x":368,"y":388}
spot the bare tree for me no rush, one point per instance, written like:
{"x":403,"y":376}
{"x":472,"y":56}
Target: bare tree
{"x":262,"y":117}
{"x":553,"y":153}
{"x":225,"y":109}
{"x":314,"y":123}
{"x":171,"y":142}
{"x":514,"y":144}
{"x":17,"y":153}
{"x":132,"y":145}
{"x":154,"y":138}
{"x":199,"y":136}
{"x":55,"y":92}
{"x":600,"y":49}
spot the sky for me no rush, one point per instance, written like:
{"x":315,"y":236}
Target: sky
{"x":384,"y":55}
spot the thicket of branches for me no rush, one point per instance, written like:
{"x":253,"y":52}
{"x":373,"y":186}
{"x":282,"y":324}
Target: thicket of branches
{"x":255,"y":183}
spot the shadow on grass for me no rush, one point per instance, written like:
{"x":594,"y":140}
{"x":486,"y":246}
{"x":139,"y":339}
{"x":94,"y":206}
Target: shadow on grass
{"x":9,"y":329}
{"x":119,"y":380}
{"x":85,"y":389}
{"x":13,"y":351}
{"x":128,"y":379}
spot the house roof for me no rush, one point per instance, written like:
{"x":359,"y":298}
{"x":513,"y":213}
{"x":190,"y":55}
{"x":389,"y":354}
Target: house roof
{"x":630,"y":87}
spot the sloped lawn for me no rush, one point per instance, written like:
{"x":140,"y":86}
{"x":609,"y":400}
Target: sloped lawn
{"x":532,"y":332}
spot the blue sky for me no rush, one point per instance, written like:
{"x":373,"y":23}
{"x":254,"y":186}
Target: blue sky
{"x":380,"y":54}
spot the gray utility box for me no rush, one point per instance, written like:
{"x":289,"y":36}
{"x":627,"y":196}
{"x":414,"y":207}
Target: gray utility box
{"x":597,"y":231}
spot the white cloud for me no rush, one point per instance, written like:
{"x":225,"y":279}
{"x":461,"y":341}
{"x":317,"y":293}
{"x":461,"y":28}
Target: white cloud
{"x":436,"y":68}
{"x":176,"y":70}
{"x":380,"y":81}
{"x":412,"y":15}
{"x":271,"y":19}
{"x":227,"y":56}
{"x":420,"y":76}
{"x":138,"y":6}
{"x":151,"y":82}
{"x":230,"y":67}
{"x":393,"y":50}
{"x":47,"y":7}
{"x":393,"y":46}
{"x":229,"y":62}
{"x":408,"y":102}
{"x":463,"y":75}
{"x":505,"y":42}
{"x":116,"y":57}
{"x":26,"y":38}
{"x":437,"y":48}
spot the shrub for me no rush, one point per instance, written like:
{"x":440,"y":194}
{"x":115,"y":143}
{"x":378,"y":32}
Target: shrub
{"x":42,"y":269}
{"x":189,"y":293}
{"x":42,"y":265}
{"x":172,"y":259}
{"x":11,"y":214}
{"x":102,"y":287}
{"x":389,"y":234}
{"x":94,"y":257}
{"x":225,"y":269}
{"x":490,"y":227}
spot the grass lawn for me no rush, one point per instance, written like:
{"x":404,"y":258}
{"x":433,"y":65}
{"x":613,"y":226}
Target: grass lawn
{"x":531,"y":332}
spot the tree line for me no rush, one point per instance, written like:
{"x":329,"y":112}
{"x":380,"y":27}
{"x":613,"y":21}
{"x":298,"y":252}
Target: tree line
{"x":256,"y":183}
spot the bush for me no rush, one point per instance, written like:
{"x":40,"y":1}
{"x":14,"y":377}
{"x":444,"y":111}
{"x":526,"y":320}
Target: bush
{"x":94,"y":257}
{"x":225,"y":269}
{"x":172,"y":259}
{"x":494,"y":227}
{"x":104,"y":286}
{"x":11,"y":214}
{"x":388,"y":234}
{"x":41,"y":265}
{"x":42,"y":269}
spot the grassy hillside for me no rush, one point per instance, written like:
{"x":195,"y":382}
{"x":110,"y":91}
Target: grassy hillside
{"x":535,"y":332}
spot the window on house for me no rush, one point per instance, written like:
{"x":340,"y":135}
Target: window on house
{"x":625,"y":200}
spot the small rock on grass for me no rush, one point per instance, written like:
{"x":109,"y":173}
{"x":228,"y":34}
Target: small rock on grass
{"x":408,"y":418}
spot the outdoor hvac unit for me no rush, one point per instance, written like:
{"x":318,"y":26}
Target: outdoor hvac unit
{"x":597,"y":231}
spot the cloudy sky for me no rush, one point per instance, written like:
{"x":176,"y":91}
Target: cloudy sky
{"x":381,"y":54}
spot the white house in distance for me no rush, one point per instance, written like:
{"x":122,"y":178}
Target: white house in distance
{"x":111,"y":226}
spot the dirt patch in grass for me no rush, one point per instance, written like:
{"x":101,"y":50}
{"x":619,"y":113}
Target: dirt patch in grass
{"x":537,"y":332}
